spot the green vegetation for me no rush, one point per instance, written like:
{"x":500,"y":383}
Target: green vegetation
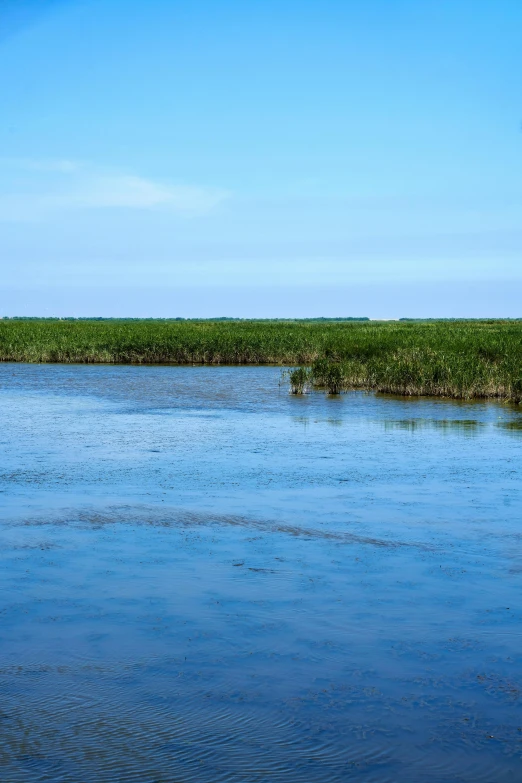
{"x":458,"y":359}
{"x":300,"y":379}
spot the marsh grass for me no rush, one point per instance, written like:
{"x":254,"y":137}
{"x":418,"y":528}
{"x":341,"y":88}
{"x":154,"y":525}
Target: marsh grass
{"x":456,"y":359}
{"x":426,"y":372}
{"x":300,"y":380}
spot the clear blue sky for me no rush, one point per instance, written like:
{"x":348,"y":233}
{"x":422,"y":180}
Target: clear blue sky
{"x":261,"y":158}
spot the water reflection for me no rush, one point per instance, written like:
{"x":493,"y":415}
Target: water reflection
{"x":461,"y":426}
{"x":306,"y":421}
{"x":228,"y":592}
{"x":513,"y":426}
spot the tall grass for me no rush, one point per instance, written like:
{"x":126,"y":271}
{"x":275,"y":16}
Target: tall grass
{"x":416,"y":372}
{"x":459,"y":359}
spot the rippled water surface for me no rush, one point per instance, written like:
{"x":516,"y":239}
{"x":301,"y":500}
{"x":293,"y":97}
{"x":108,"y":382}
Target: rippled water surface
{"x":206,"y":579}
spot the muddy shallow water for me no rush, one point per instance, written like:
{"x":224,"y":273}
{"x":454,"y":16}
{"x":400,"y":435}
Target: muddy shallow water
{"x":206,"y":579}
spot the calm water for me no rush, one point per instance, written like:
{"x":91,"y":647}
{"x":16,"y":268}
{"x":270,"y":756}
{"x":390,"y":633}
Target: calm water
{"x":205,"y":579}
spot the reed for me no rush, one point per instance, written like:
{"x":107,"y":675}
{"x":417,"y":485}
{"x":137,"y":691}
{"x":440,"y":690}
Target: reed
{"x":424,"y":372}
{"x":300,"y":379}
{"x":457,"y":359}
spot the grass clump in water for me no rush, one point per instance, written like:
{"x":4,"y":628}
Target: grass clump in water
{"x":330,"y":375}
{"x":299,"y":380}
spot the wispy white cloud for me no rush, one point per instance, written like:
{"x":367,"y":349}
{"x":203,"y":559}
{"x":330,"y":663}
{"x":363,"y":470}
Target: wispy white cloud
{"x":139,"y":193}
{"x":61,"y":165}
{"x":50,"y":187}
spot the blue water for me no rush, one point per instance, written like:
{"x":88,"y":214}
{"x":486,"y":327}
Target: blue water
{"x":205,"y":578}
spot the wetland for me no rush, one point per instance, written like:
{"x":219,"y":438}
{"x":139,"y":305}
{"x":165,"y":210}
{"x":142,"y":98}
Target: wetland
{"x":456,"y":359}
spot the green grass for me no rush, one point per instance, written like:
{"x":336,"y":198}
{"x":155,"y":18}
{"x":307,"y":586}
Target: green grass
{"x":458,"y":359}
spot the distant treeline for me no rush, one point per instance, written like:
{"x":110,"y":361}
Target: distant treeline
{"x":452,"y":320}
{"x":256,"y":320}
{"x":196,"y":320}
{"x":451,"y":358}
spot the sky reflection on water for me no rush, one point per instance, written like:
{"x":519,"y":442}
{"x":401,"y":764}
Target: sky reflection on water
{"x":207,"y":579}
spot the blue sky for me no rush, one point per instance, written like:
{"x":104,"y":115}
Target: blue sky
{"x":257,"y":159}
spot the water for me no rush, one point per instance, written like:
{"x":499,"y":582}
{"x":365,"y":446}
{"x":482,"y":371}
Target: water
{"x":207,"y":579}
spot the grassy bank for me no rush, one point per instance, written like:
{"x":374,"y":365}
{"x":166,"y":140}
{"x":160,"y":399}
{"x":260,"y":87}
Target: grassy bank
{"x":459,"y":359}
